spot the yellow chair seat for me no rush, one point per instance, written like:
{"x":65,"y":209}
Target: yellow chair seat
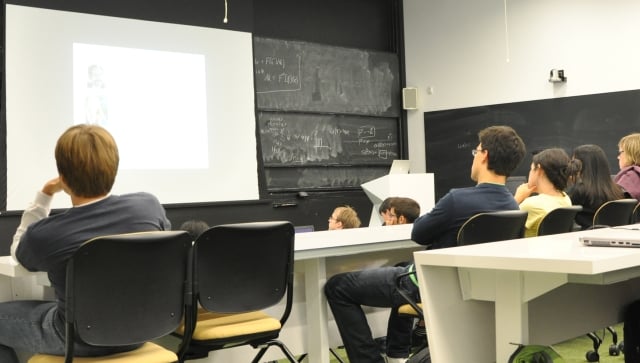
{"x":148,"y":352}
{"x":220,"y":326}
{"x":407,"y":309}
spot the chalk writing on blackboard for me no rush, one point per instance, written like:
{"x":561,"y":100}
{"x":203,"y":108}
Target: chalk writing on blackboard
{"x":322,"y":139}
{"x":308,"y":77}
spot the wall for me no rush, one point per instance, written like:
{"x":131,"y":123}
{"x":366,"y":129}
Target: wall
{"x":469,"y":55}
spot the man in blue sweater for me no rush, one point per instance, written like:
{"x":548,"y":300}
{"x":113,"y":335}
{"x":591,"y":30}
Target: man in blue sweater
{"x":87,"y":160}
{"x":498,"y":153}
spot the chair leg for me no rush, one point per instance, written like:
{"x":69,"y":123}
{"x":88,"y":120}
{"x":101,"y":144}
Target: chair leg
{"x":280,"y":345}
{"x":336,"y":355}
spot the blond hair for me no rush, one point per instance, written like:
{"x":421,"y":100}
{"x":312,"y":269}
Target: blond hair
{"x":347,"y":216}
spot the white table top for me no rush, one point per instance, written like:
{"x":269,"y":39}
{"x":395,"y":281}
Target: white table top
{"x":562,"y":253}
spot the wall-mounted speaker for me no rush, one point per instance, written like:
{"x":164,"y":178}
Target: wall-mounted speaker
{"x":410,"y":98}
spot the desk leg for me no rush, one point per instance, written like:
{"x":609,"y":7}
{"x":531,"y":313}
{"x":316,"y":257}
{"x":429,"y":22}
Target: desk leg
{"x":512,"y":313}
{"x":315,"y":276}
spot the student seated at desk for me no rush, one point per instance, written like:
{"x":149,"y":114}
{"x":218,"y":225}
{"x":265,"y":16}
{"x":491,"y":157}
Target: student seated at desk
{"x":399,"y":210}
{"x":548,"y":177}
{"x":344,"y":217}
{"x":87,"y":161}
{"x":497,"y":155}
{"x":592,"y":186}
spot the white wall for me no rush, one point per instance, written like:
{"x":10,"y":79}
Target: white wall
{"x":471,"y":54}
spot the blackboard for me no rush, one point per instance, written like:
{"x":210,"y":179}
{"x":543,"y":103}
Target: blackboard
{"x":296,"y":139}
{"x":600,"y":119}
{"x":309,"y":77}
{"x":322,"y":177}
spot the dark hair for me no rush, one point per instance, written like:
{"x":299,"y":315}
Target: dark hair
{"x":506,"y":149}
{"x":594,"y":179}
{"x":556,"y":165}
{"x":385,"y":205}
{"x":195,"y":227}
{"x":406,"y":207}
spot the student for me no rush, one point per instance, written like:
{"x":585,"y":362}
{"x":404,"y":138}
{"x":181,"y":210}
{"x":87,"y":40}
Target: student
{"x":592,"y":186}
{"x":548,"y":177}
{"x":344,"y":217}
{"x":629,"y":161}
{"x":401,"y":210}
{"x":87,"y":162}
{"x":497,"y":154}
{"x":383,"y":210}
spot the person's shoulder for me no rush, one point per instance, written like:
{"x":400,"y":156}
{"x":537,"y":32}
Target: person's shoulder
{"x":138,"y":197}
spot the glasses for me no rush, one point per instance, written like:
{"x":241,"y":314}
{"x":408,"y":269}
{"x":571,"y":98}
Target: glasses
{"x":475,"y":152}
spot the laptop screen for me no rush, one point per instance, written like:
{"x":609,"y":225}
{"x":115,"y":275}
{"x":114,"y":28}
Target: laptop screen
{"x":303,"y":229}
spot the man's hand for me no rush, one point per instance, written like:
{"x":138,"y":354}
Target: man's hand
{"x":52,"y":186}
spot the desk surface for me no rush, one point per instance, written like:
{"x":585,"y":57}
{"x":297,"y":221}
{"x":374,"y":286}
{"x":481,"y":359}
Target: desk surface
{"x":561,"y":253}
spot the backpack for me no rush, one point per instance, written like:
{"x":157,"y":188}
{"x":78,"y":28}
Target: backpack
{"x":631,"y":331}
{"x":535,"y":354}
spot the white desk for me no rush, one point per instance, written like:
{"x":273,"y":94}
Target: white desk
{"x":314,"y":251}
{"x":539,"y":290}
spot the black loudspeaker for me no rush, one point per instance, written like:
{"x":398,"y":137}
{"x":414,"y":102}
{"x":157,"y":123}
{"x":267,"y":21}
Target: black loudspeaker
{"x":410,"y":98}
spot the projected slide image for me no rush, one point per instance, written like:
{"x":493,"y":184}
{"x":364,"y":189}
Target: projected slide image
{"x":153,"y":102}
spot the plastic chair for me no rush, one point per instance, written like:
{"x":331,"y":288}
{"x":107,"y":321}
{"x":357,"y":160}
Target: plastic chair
{"x":614,"y":213}
{"x":479,"y":228}
{"x":125,"y":290}
{"x":559,"y":220}
{"x":492,"y":226}
{"x":239,"y":270}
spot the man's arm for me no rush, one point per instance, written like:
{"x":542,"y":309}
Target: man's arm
{"x":38,"y":210}
{"x":427,"y":228}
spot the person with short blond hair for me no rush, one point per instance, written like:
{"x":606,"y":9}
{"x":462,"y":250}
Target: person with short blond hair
{"x":87,"y":160}
{"x":344,"y":217}
{"x":629,"y":161}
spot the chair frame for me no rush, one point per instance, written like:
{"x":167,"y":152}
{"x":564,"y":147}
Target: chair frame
{"x":148,"y":268}
{"x":600,"y":220}
{"x":209,"y":255}
{"x":550,"y":225}
{"x":468,"y":235}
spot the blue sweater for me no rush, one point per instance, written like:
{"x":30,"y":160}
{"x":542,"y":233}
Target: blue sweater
{"x":439,"y":228}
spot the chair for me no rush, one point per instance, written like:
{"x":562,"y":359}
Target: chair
{"x":479,"y":228}
{"x":239,"y":270}
{"x":559,"y":220}
{"x":614,"y":213}
{"x":123,"y":290}
{"x":635,"y":217}
{"x":492,"y":226}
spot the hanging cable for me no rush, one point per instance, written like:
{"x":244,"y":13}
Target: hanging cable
{"x":225,"y":20}
{"x":506,"y":32}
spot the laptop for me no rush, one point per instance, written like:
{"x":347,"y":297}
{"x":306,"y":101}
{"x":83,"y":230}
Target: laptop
{"x":303,"y":229}
{"x":626,"y":236}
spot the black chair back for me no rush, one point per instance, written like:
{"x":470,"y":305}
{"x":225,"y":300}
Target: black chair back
{"x":614,"y":213}
{"x":244,"y":267}
{"x":559,"y":220}
{"x":492,"y":226}
{"x":127,"y":289}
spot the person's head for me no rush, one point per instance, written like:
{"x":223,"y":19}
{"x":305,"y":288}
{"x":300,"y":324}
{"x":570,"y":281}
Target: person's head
{"x":87,"y":160}
{"x":344,"y":217}
{"x":384,"y":210}
{"x":554,"y":165}
{"x":629,"y":150}
{"x":595,"y":174}
{"x":402,"y":211}
{"x":195,"y":227}
{"x":499,"y":152}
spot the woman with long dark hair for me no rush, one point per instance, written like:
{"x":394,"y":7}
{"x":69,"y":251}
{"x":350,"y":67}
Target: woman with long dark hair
{"x":593,"y":185}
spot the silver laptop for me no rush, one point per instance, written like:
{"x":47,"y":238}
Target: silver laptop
{"x":625,"y":236}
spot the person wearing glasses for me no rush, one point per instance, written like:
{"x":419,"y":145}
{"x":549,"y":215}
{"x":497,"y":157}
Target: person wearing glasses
{"x":344,"y":217}
{"x":629,"y":162}
{"x":497,"y":155}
